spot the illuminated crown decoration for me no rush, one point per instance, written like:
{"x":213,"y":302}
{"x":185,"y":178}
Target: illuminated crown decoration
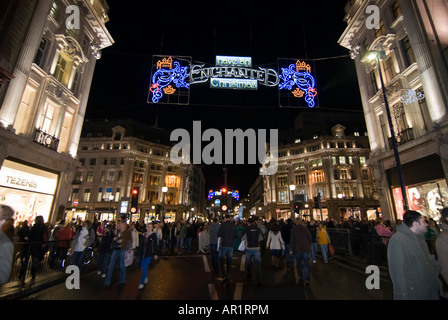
{"x":298,"y":93}
{"x":169,"y":90}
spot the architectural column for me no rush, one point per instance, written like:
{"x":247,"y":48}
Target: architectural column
{"x":428,"y":74}
{"x":359,"y":182}
{"x":26,"y":57}
{"x":369,"y":115}
{"x":85,"y":92}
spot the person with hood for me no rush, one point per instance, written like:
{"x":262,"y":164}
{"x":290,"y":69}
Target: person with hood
{"x":413,"y":271}
{"x":6,"y":242}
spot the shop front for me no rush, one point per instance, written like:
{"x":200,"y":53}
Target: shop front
{"x":426,"y":187}
{"x":28,"y":190}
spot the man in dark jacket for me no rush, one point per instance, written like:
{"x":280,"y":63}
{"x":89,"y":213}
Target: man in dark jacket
{"x":228,"y":233}
{"x":301,"y":248}
{"x":253,"y":237}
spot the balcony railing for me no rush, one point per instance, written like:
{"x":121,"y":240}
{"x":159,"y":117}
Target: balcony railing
{"x":403,"y":137}
{"x":46,"y":140}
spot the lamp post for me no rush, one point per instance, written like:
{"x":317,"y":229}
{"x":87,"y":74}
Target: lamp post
{"x":164,"y":191}
{"x":375,"y":55}
{"x":292,"y":188}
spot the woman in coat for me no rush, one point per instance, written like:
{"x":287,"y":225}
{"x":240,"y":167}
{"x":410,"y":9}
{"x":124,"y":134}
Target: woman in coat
{"x":276,"y":244}
{"x":147,"y":250}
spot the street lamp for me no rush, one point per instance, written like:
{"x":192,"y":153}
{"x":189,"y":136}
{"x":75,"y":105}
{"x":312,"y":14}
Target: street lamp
{"x":292,"y":188}
{"x":376,"y":55}
{"x":164,"y":191}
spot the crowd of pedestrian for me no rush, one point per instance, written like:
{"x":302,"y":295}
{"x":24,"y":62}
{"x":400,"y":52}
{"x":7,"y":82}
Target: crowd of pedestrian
{"x":414,"y":241}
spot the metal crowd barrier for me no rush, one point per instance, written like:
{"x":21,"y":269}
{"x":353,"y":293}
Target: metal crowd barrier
{"x":46,"y":257}
{"x":365,"y":246}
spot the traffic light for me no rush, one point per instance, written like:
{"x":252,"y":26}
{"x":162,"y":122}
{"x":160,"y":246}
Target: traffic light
{"x":317,"y":202}
{"x":297,"y":207}
{"x":224,"y":191}
{"x":134,"y":200}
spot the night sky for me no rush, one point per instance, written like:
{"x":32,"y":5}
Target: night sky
{"x":291,"y":29}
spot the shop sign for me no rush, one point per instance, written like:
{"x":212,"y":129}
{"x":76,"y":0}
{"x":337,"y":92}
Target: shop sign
{"x":19,"y":176}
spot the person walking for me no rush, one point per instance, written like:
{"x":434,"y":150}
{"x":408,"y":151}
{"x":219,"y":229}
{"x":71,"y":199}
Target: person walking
{"x":276,"y":244}
{"x":228,"y":233}
{"x":122,"y":244}
{"x":312,"y":227}
{"x":84,"y":238}
{"x":300,"y":248}
{"x":323,"y":240}
{"x":413,"y":271}
{"x":181,"y":233}
{"x":213,"y":236}
{"x":286,"y":235}
{"x":6,"y":242}
{"x":253,"y":237}
{"x":147,"y":250}
{"x":105,"y":250}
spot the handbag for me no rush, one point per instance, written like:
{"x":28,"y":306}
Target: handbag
{"x":242,"y":246}
{"x":331,"y":249}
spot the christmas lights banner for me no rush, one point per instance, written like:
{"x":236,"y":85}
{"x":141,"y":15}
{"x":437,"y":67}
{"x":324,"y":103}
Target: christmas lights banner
{"x":172,"y":77}
{"x":297,"y":87}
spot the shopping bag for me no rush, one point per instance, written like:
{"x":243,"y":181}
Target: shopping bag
{"x":242,"y":246}
{"x":331,"y":249}
{"x":128,"y":257}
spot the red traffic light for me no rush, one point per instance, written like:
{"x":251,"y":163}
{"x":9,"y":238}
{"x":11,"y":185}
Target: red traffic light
{"x":224,"y":190}
{"x":135,"y":192}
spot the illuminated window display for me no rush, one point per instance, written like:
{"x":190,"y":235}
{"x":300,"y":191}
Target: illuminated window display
{"x":426,"y":198}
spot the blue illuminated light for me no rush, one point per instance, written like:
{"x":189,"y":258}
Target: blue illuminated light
{"x":298,"y":79}
{"x":168,"y":72}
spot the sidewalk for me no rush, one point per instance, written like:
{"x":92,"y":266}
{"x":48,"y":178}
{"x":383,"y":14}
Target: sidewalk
{"x":16,"y":290}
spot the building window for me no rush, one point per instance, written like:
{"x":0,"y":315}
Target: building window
{"x":59,"y":72}
{"x":48,"y":115}
{"x":100,"y":195}
{"x":373,"y":81}
{"x":408,"y":52}
{"x":90,"y":176}
{"x":75,"y":195}
{"x":282,"y":181}
{"x":300,"y":179}
{"x":40,"y":52}
{"x":317,"y":176}
{"x":111,"y":176}
{"x":389,"y":69}
{"x":396,"y":10}
{"x":283,"y":196}
{"x":343,"y":174}
{"x":381,"y":31}
{"x":365,"y":174}
{"x":172,"y":181}
{"x":87,"y":195}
